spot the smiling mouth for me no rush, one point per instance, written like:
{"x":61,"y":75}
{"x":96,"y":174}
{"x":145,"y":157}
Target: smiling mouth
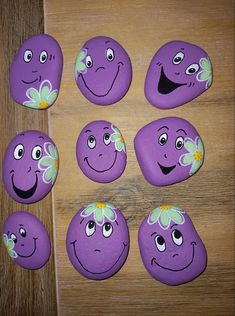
{"x":103,"y":95}
{"x":22,"y":256}
{"x":75,"y":253}
{"x":165,"y":85}
{"x":30,"y":82}
{"x":25,"y":194}
{"x":154,"y":261}
{"x":100,"y":171}
{"x":166,"y":170}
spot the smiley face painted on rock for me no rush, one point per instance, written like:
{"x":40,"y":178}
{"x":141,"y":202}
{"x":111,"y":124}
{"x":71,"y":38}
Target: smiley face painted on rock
{"x":103,"y":70}
{"x":26,"y":240}
{"x":168,"y":150}
{"x":30,"y":166}
{"x":178,"y":73}
{"x":170,"y":246}
{"x":35,"y":72}
{"x":101,"y":152}
{"x":98,"y":241}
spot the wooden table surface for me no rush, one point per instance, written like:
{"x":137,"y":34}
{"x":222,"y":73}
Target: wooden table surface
{"x":142,"y":27}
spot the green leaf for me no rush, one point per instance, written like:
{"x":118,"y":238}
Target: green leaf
{"x":89,"y":209}
{"x":187,"y":159}
{"x":190,"y":146}
{"x":45,"y":93}
{"x":98,"y":215}
{"x":33,"y":93}
{"x":205,"y":64}
{"x":46,"y":161}
{"x":52,"y":97}
{"x":164,"y":219}
{"x":204,"y":75}
{"x":154,"y":215}
{"x":109,"y":213}
{"x":176,"y":217}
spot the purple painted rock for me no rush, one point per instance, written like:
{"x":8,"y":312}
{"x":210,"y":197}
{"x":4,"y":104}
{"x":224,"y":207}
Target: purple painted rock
{"x":36,"y":71}
{"x":170,"y":247}
{"x":103,"y":70}
{"x":168,"y":150}
{"x":178,"y":73}
{"x":101,"y":152}
{"x":26,"y":240}
{"x":98,"y":241}
{"x":30,"y":166}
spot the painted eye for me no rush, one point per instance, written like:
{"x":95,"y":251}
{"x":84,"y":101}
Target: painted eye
{"x":110,"y":54}
{"x":89,"y":61}
{"x":90,"y":228}
{"x":43,"y":57}
{"x":28,"y":55}
{"x":177,"y":237}
{"x":19,"y":151}
{"x":14,"y":238}
{"x":37,"y":152}
{"x":178,"y":58}
{"x":192,"y":69}
{"x":163,"y":139}
{"x":160,"y":243}
{"x":179,"y":143}
{"x":22,"y":232}
{"x":107,"y":230}
{"x":91,"y":142}
{"x":107,"y":139}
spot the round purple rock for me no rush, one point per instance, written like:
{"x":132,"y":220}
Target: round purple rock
{"x":103,"y":70}
{"x":30,"y":166}
{"x":26,"y":240}
{"x":170,"y":247}
{"x":169,"y":150}
{"x":36,"y":71}
{"x":101,"y":152}
{"x":98,"y":241}
{"x":178,"y":73}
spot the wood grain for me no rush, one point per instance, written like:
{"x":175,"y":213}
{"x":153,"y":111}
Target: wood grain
{"x":22,"y":292}
{"x":142,"y":27}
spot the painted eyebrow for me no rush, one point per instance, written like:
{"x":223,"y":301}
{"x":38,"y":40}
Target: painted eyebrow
{"x":88,"y":130}
{"x":163,"y":127}
{"x":182,"y":48}
{"x":116,"y":223}
{"x":181,"y":129}
{"x":173,"y":225}
{"x":22,"y":134}
{"x":106,"y":42}
{"x":86,"y":47}
{"x":41,"y":137}
{"x":106,"y":127}
{"x":154,"y":233}
{"x":82,"y":220}
{"x":21,"y":225}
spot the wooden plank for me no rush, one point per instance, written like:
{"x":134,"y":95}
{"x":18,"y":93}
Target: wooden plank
{"x":22,"y":292}
{"x":142,"y":27}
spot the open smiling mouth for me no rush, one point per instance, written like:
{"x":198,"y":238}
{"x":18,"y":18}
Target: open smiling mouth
{"x":165,"y":85}
{"x":86,"y":159}
{"x":30,"y":82}
{"x":166,"y":170}
{"x":22,"y":256}
{"x":154,"y":261}
{"x":103,"y":95}
{"x":25,"y":194}
{"x":75,"y":253}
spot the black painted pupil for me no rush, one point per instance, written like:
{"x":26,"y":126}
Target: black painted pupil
{"x":179,"y":144}
{"x":92,"y":139}
{"x":89,"y":63}
{"x":106,"y":136}
{"x":107,"y":227}
{"x":38,"y":152}
{"x":20,"y":152}
{"x":160,"y":240}
{"x":177,"y":59}
{"x":191,"y":70}
{"x":163,"y":140}
{"x":43,"y":57}
{"x":91,"y":224}
{"x":177,"y":234}
{"x":14,"y":239}
{"x":110,"y":56}
{"x":23,"y":233}
{"x":29,"y":56}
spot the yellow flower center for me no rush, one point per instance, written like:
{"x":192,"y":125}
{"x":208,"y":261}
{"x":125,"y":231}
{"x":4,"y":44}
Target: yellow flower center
{"x":197,"y":156}
{"x":57,"y":164}
{"x":100,"y":205}
{"x":43,"y":104}
{"x":121,"y":139}
{"x":165,"y":207}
